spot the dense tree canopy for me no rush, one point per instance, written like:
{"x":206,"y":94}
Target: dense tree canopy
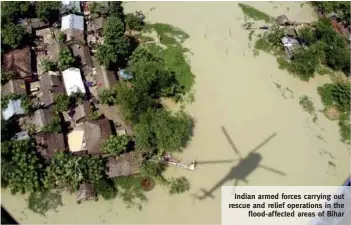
{"x":116,"y":46}
{"x":66,"y":59}
{"x":179,"y":185}
{"x":48,"y":11}
{"x":21,"y":166}
{"x":159,"y":129}
{"x":69,"y":171}
{"x":115,"y":144}
{"x":116,"y":9}
{"x":341,"y":8}
{"x":13,"y":35}
{"x":13,"y":10}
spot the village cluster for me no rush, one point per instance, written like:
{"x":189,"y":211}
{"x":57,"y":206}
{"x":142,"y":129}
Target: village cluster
{"x":87,"y":128}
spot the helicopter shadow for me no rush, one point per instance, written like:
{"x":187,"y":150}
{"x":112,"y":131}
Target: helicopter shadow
{"x":242,"y":169}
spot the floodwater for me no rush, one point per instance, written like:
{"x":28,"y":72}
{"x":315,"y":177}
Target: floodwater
{"x":238,"y":108}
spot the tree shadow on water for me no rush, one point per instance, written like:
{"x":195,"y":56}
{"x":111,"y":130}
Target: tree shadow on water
{"x":242,"y":169}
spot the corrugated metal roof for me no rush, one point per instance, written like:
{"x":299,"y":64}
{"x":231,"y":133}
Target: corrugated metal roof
{"x":72,"y":21}
{"x":13,"y":108}
{"x":73,"y":81}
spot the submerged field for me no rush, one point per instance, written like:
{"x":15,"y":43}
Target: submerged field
{"x":240,"y":102}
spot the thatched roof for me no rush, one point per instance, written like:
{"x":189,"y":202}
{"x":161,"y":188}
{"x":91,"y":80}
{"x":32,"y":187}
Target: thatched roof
{"x":96,"y":133}
{"x":82,"y":111}
{"x":18,"y":61}
{"x":49,"y":143}
{"x":83,"y":54}
{"x":14,"y":86}
{"x":124,"y":165}
{"x":85,"y":191}
{"x":42,"y":117}
{"x":49,"y":86}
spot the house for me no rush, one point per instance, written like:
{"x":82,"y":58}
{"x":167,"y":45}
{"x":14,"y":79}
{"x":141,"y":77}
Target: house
{"x":14,"y":108}
{"x":76,"y":140}
{"x":73,"y":26}
{"x":96,"y":133}
{"x":49,"y":143}
{"x":15,"y":87}
{"x":290,"y":44}
{"x":23,"y":135}
{"x":104,"y":78}
{"x":49,"y":86}
{"x":83,"y":56}
{"x":73,"y":81}
{"x":124,"y":165}
{"x":95,"y":26}
{"x":82,"y":112}
{"x":19,"y":62}
{"x":42,"y":118}
{"x":70,"y":7}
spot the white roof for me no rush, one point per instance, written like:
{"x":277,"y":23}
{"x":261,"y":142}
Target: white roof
{"x":65,"y":2}
{"x":73,"y":81}
{"x":13,"y":108}
{"x":72,"y":21}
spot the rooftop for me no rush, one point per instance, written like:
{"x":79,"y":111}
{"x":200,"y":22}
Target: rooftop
{"x":49,"y":143}
{"x":73,"y":81}
{"x":13,"y":108}
{"x":72,"y":21}
{"x":18,"y":61}
{"x":96,"y":133}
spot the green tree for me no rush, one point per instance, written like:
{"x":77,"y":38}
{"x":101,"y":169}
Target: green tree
{"x":169,"y":132}
{"x":179,"y":185}
{"x":21,"y":167}
{"x":133,"y":22}
{"x":116,"y":9}
{"x":54,"y":127}
{"x":142,"y":55}
{"x":113,"y":29}
{"x":49,"y":11}
{"x":341,"y":8}
{"x":106,"y":188}
{"x":115,"y":145}
{"x":12,"y":10}
{"x":69,"y":171}
{"x":108,"y":96}
{"x":106,"y":55}
{"x":48,"y":65}
{"x":43,"y":201}
{"x":338,"y":94}
{"x":152,"y":169}
{"x":66,"y":59}
{"x":62,"y":102}
{"x":27,"y":105}
{"x":13,"y":35}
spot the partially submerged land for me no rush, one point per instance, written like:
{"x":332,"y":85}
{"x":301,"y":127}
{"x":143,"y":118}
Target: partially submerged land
{"x":241,"y":102}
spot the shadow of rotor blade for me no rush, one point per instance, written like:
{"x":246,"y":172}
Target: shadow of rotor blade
{"x":215,"y":161}
{"x":263,"y":142}
{"x":231,"y":142}
{"x":273,"y":170}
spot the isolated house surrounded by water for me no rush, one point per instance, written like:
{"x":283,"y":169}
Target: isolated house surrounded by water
{"x":73,"y":81}
{"x":73,"y":26}
{"x":13,"y":108}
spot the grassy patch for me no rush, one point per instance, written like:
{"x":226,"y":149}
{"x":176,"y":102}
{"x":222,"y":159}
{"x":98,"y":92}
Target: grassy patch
{"x":175,"y":60}
{"x":169,"y":35}
{"x":255,"y":14}
{"x":307,"y":104}
{"x":345,"y":127}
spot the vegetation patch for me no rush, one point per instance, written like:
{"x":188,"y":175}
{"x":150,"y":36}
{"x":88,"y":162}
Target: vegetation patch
{"x":43,"y":201}
{"x":255,"y":14}
{"x":307,"y":104}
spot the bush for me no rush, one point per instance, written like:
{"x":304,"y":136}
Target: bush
{"x":133,"y":22}
{"x":115,"y":144}
{"x":152,"y":169}
{"x":345,"y":128}
{"x":336,"y":94}
{"x":179,"y":185}
{"x":307,"y":104}
{"x":48,"y":65}
{"x":108,"y":96}
{"x":106,"y":188}
{"x":305,"y":63}
{"x":41,"y":202}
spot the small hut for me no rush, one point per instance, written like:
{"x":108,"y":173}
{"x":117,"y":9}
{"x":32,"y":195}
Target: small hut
{"x":86,"y":192}
{"x":283,"y":20}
